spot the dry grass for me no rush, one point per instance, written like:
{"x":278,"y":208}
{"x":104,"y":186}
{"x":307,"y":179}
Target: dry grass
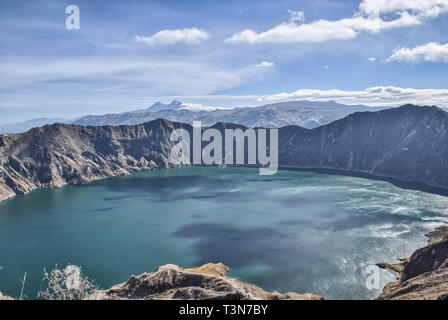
{"x":61,"y":286}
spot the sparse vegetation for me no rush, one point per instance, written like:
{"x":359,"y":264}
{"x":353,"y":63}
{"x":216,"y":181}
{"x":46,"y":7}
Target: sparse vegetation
{"x":61,"y":284}
{"x":22,"y":295}
{"x":66,"y":284}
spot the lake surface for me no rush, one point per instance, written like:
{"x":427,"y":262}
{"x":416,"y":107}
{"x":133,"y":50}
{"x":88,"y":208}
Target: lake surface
{"x":294,"y":231}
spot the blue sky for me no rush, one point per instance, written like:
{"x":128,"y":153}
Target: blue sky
{"x":128,"y":54}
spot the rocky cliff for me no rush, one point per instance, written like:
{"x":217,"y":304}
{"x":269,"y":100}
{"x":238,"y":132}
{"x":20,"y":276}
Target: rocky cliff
{"x":55,"y":155}
{"x":424,"y":275}
{"x":208,"y":282}
{"x":409,"y":143}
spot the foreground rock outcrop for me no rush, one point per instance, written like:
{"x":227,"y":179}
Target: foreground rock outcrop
{"x":208,"y":282}
{"x":424,"y":275}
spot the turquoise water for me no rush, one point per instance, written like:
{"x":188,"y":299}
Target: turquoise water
{"x":294,"y":231}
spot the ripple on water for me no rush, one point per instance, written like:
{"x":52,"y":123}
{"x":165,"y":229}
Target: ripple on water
{"x":295,"y":231}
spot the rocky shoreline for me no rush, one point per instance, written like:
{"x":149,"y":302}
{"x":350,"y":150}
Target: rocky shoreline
{"x":423,"y":275}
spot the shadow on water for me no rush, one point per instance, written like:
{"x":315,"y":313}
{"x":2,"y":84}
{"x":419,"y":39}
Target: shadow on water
{"x":281,"y":257}
{"x":241,"y":247}
{"x":178,"y":187}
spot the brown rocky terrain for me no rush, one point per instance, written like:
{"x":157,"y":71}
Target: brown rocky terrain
{"x":424,"y":275}
{"x":208,"y":282}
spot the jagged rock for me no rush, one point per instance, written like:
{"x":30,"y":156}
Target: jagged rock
{"x":424,"y":275}
{"x":208,"y":282}
{"x":53,"y":156}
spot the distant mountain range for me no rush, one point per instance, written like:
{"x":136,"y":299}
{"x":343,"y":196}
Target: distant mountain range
{"x":306,"y":114}
{"x":408,"y":143}
{"x":158,"y":106}
{"x":27,"y":125}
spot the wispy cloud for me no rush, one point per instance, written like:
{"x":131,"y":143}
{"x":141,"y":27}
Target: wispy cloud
{"x":200,"y":107}
{"x":265,"y":64}
{"x":419,"y":8}
{"x":296,"y":16}
{"x":69,"y":87}
{"x":168,"y":37}
{"x":155,"y":77}
{"x":371,"y":96}
{"x":370,"y":18}
{"x":430,"y":52}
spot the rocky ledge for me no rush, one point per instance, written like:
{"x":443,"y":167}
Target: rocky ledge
{"x":208,"y":282}
{"x":424,"y":275}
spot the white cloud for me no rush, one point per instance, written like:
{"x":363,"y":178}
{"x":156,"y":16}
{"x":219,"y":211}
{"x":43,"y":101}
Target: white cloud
{"x":371,"y":96}
{"x":265,"y":64}
{"x":200,"y":107}
{"x":421,"y":8}
{"x":369,"y":18}
{"x":322,"y":30}
{"x":168,"y":37}
{"x":430,"y":52}
{"x":296,"y":16}
{"x":371,"y":59}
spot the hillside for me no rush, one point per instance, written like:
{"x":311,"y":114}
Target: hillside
{"x":409,"y":143}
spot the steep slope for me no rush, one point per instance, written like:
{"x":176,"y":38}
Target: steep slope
{"x":409,"y":143}
{"x":52,"y":156}
{"x":424,"y":275}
